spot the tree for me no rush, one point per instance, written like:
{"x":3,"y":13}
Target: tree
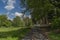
{"x":40,"y":9}
{"x":56,"y":3}
{"x":28,"y":22}
{"x":7,"y":23}
{"x":56,"y":23}
{"x":4,"y":21}
{"x":17,"y":22}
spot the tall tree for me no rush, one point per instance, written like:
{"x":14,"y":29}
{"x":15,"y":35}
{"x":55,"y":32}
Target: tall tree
{"x":17,"y":22}
{"x":28,"y":22}
{"x":56,"y":3}
{"x":40,"y":9}
{"x":4,"y":21}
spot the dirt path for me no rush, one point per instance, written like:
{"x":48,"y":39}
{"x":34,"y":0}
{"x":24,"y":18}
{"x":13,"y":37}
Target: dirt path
{"x":35,"y":34}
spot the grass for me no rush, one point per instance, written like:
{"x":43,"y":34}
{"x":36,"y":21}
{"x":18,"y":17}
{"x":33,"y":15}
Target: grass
{"x":13,"y":33}
{"x":9,"y":38}
{"x":4,"y":29}
{"x":54,"y":36}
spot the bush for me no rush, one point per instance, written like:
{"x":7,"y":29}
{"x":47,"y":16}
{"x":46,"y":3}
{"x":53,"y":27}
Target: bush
{"x":56,"y":23}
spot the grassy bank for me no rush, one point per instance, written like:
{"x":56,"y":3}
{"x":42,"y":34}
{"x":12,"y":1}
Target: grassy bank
{"x":4,"y":29}
{"x":13,"y":33}
{"x":54,"y":36}
{"x":9,"y":38}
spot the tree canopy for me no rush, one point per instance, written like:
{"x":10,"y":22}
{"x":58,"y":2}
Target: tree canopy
{"x":45,"y":11}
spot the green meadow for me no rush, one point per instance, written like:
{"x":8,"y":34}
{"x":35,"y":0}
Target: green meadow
{"x":17,"y":33}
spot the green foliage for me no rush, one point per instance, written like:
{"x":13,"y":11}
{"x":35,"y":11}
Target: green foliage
{"x":13,"y":33}
{"x":56,"y":23}
{"x":4,"y":21}
{"x":56,"y":3}
{"x":54,"y":36}
{"x":7,"y":23}
{"x":28,"y":22}
{"x":40,"y":8}
{"x":18,"y":22}
{"x":3,"y":18}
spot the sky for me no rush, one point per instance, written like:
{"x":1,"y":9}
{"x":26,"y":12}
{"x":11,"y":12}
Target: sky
{"x":11,"y":8}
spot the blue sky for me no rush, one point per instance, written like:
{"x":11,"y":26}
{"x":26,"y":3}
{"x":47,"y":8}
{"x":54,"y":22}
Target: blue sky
{"x":11,"y":7}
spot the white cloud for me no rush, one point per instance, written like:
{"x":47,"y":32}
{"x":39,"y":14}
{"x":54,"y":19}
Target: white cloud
{"x":21,"y":14}
{"x":10,"y":5}
{"x":18,"y":14}
{"x":29,"y":16}
{"x":9,"y":18}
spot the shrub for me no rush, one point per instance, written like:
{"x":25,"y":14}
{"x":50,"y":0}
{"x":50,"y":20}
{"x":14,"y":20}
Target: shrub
{"x":56,"y":23}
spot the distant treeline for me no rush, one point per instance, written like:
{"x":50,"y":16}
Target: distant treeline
{"x":15,"y":22}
